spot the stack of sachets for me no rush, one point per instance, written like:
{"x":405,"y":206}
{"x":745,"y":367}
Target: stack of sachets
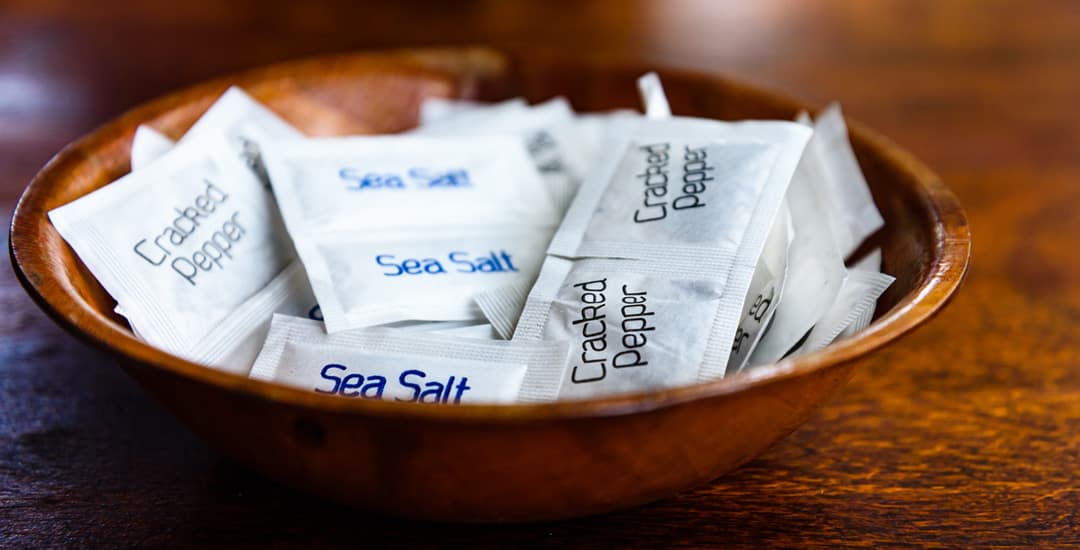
{"x":498,"y":253}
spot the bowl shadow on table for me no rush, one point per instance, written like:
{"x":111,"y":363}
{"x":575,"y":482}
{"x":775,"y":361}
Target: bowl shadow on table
{"x":260,"y":510}
{"x":112,"y":461}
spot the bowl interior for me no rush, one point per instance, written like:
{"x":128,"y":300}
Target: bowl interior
{"x":925,"y":241}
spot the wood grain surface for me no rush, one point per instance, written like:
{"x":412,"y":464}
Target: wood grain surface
{"x":966,"y":432}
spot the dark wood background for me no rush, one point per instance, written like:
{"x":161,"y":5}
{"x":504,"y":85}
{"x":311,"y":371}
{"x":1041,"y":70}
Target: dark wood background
{"x":966,"y":432}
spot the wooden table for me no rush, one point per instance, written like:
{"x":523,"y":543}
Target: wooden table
{"x":967,"y":431}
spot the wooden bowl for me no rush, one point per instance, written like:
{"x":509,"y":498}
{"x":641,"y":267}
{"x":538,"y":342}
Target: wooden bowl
{"x":484,"y":463}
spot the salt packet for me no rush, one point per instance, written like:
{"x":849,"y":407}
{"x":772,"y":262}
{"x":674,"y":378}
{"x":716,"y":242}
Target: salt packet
{"x":392,"y":228}
{"x":200,"y":260}
{"x":401,"y":366}
{"x":380,"y":277}
{"x":548,"y":130}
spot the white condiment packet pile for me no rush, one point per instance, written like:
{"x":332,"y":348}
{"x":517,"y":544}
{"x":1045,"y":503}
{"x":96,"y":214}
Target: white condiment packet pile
{"x":497,"y":253}
{"x":832,"y":213}
{"x":677,"y":221}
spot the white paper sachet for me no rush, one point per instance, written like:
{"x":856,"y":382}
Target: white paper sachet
{"x":465,"y":329}
{"x":858,"y":295}
{"x":290,"y":293}
{"x":392,"y":365}
{"x":767,"y":284}
{"x":679,"y":186}
{"x":632,"y":325}
{"x":871,"y":263}
{"x":832,"y":212}
{"x":502,"y":307}
{"x":766,"y":291}
{"x":201,"y":261}
{"x":851,"y":213}
{"x":852,"y":309}
{"x":374,"y":278}
{"x":397,"y":228}
{"x":242,"y":121}
{"x":425,"y":326}
{"x":688,"y":192}
{"x":436,"y":109}
{"x":548,"y":130}
{"x":854,"y":305}
{"x":394,"y":182}
{"x":816,"y":268}
{"x":287,"y":294}
{"x":147,"y":145}
{"x":653,"y":97}
{"x":231,"y":115}
{"x":201,"y":239}
{"x":482,"y":331}
{"x":592,"y":130}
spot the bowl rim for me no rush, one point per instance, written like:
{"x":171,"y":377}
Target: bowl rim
{"x":50,"y":288}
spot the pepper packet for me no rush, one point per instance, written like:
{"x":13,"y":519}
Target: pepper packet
{"x":190,"y":244}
